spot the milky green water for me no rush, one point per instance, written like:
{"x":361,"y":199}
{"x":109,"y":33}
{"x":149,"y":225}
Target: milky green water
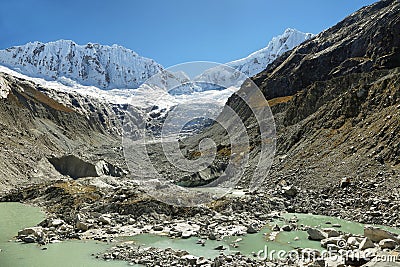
{"x":15,"y":216}
{"x":252,"y":243}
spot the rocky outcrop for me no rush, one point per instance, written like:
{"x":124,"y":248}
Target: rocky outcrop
{"x":39,"y":123}
{"x":377,"y":234}
{"x":75,"y":167}
{"x":365,"y":41}
{"x":335,"y":103}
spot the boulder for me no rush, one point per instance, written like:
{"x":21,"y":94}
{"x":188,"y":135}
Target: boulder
{"x":29,"y":239}
{"x":318,"y":263}
{"x":190,"y":259}
{"x":105,"y":219}
{"x":35,"y":231}
{"x":316,"y":234}
{"x":354,"y":241}
{"x":251,"y":229}
{"x":337,"y":241}
{"x":212,"y":236}
{"x":289,"y":191}
{"x":345,"y":182}
{"x":202,"y":262}
{"x":56,"y":223}
{"x":331,"y":232}
{"x":82,"y":226}
{"x":366,"y":243}
{"x":186,"y":234}
{"x":276,"y":228}
{"x":387,"y":243}
{"x":355,"y":260}
{"x":286,"y":228}
{"x":377,"y":234}
{"x":158,"y":228}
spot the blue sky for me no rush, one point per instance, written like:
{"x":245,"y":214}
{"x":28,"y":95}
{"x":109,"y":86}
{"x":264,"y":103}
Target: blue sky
{"x":169,"y":31}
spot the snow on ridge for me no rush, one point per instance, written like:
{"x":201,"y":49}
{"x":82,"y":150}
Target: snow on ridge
{"x":144,"y":97}
{"x":259,"y":60}
{"x":102,"y":66}
{"x":91,"y":68}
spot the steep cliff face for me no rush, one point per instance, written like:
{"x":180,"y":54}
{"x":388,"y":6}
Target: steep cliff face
{"x":106,"y":67}
{"x":335,"y":100}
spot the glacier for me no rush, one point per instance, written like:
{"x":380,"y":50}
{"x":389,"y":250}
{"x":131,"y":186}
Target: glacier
{"x":117,"y":75}
{"x":116,"y":67}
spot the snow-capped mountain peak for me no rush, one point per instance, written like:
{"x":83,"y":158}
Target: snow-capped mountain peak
{"x":259,"y":60}
{"x":97,"y":65}
{"x":116,"y":67}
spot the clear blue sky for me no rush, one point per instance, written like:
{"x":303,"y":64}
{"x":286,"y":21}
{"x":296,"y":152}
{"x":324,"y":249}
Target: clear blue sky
{"x":169,"y":31}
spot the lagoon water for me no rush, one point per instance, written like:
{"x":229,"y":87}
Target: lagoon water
{"x":75,"y":253}
{"x":253,"y":243}
{"x":15,"y":216}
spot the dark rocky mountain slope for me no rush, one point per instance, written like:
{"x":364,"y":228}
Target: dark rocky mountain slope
{"x":336,"y":103}
{"x":40,"y":126}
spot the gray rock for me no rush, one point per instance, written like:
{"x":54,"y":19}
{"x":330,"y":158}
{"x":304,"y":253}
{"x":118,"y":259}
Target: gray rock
{"x":366,"y":243}
{"x":200,"y":241}
{"x":387,"y":243}
{"x":186,"y":234}
{"x":354,"y":241}
{"x":331,"y":232}
{"x":318,"y":263}
{"x":276,"y":228}
{"x":251,"y":230}
{"x":289,"y":191}
{"x":202,"y":262}
{"x":316,"y":234}
{"x":377,"y":234}
{"x":192,"y":260}
{"x":158,"y":227}
{"x":82,"y":226}
{"x":337,"y":241}
{"x":212,"y":236}
{"x":345,"y":182}
{"x":29,"y":239}
{"x":105,"y":219}
{"x":56,"y":222}
{"x":35,"y":231}
{"x":286,"y":228}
